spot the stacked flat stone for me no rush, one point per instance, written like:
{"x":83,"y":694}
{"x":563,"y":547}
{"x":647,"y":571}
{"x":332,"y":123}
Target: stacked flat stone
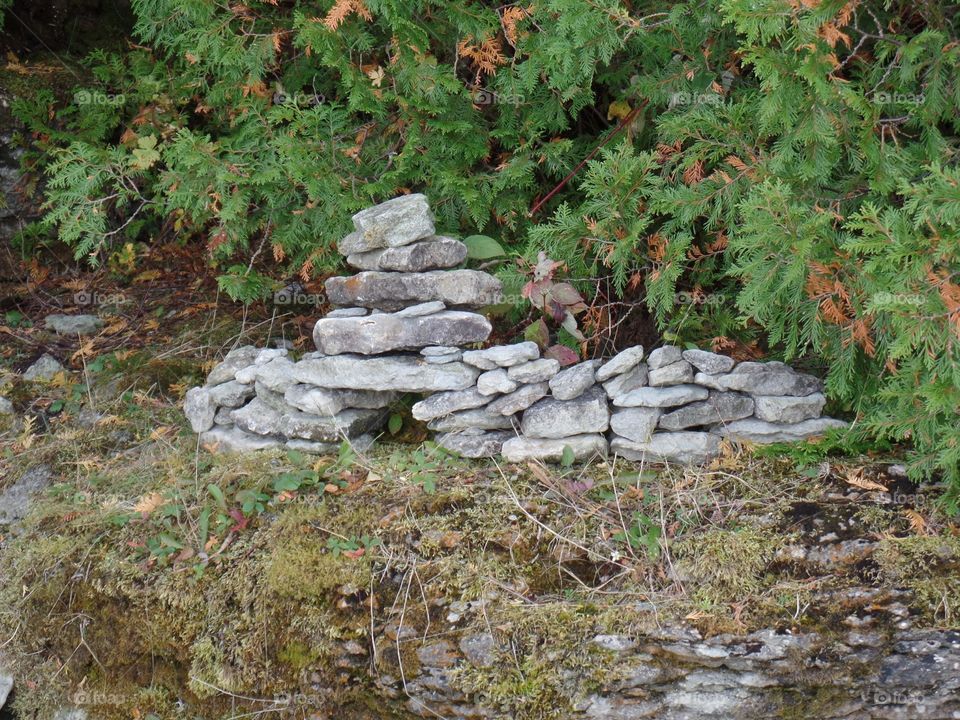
{"x":678,"y":405}
{"x":398,"y":328}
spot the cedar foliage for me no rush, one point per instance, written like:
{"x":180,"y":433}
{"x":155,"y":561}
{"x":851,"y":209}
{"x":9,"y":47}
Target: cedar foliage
{"x":796,"y":159}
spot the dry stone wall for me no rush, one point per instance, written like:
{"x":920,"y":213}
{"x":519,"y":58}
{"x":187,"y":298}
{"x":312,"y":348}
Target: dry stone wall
{"x":403,"y":324}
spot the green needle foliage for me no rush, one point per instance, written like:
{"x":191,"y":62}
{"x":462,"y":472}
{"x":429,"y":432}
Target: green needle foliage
{"x":786,"y":175}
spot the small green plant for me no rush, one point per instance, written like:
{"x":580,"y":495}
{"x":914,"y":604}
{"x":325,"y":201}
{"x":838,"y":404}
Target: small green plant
{"x":644,"y":532}
{"x":352,"y":547}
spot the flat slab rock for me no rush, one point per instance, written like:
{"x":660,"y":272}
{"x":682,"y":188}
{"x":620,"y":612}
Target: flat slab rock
{"x":620,"y":363}
{"x":502,"y":355}
{"x":635,"y":423}
{"x":393,"y":223}
{"x":552,"y":418}
{"x":662,"y":396}
{"x":573,"y":381}
{"x":786,"y":409}
{"x":432,"y":253}
{"x":403,"y":373}
{"x":765,"y":379}
{"x":474,"y":445}
{"x":478,"y":418}
{"x":73,"y":324}
{"x":720,"y":407}
{"x":519,"y":399}
{"x":521,"y":449}
{"x":259,"y":418}
{"x":324,"y":401}
{"x":394,"y":291}
{"x":445,"y":403}
{"x":760,"y":431}
{"x":684,"y":448}
{"x":387,"y":332}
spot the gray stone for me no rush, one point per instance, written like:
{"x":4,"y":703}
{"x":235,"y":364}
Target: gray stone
{"x":233,"y":362}
{"x":494,"y":382}
{"x":427,"y":308}
{"x":519,"y":399}
{"x":404,"y":373}
{"x":708,"y":362}
{"x":627,"y":382}
{"x":714,"y":382}
{"x":385,"y":332}
{"x":789,"y":409}
{"x":479,"y":418}
{"x":260,"y":419}
{"x":277,"y":374}
{"x":676,"y":373}
{"x":552,"y":418}
{"x":663,"y":356}
{"x":393,"y":291}
{"x":224,"y":416}
{"x":44,"y":368}
{"x":502,"y":355}
{"x":6,"y":407}
{"x":6,"y":685}
{"x":440,"y":350}
{"x":573,"y":381}
{"x":324,"y":401}
{"x":432,"y":253}
{"x":266,"y":355}
{"x":15,"y":500}
{"x":480,"y":650}
{"x":393,"y":223}
{"x":230,"y":394}
{"x":720,"y":407}
{"x":662,"y":396}
{"x":471,"y":445}
{"x":636,"y":424}
{"x":73,"y":324}
{"x":442,"y":359}
{"x":444,"y":403}
{"x":274,"y":399}
{"x":222,"y":438}
{"x":534,"y":371}
{"x":760,"y":431}
{"x":685,"y":448}
{"x":200,"y":408}
{"x":521,"y":449}
{"x":758,"y":379}
{"x":620,"y":363}
{"x":348,"y":312}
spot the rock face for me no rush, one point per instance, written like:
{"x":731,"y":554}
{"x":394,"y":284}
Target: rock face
{"x":428,"y":254}
{"x":719,"y":407}
{"x":573,"y":381}
{"x":393,"y":291}
{"x":685,"y":448}
{"x":662,"y":397}
{"x":444,"y":403}
{"x":620,"y":363}
{"x":474,"y":445}
{"x":521,"y":449}
{"x":519,"y":399}
{"x":760,"y":431}
{"x":502,"y":355}
{"x":393,"y":223}
{"x":403,"y":373}
{"x":552,"y":418}
{"x":385,"y":332}
{"x":635,"y":424}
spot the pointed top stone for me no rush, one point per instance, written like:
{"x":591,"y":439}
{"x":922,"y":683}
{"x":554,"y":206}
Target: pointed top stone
{"x":393,"y":223}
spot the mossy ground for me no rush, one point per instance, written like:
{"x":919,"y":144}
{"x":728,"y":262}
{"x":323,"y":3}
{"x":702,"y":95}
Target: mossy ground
{"x":136,"y":586}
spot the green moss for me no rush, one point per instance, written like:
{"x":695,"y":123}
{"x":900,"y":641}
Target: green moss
{"x":928,"y":566}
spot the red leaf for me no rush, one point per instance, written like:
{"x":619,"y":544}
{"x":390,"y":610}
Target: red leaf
{"x":562,"y":354}
{"x":538,"y":332}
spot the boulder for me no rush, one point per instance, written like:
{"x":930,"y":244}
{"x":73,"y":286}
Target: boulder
{"x":627,"y":382}
{"x":684,"y":448}
{"x":662,"y":396}
{"x":480,"y":418}
{"x":393,"y":291}
{"x":474,"y":445}
{"x":573,"y":381}
{"x":502,"y":355}
{"x":73,"y":324}
{"x":636,"y":424}
{"x":234,"y":361}
{"x":393,"y":223}
{"x":444,"y":403}
{"x":519,"y":399}
{"x":762,"y":432}
{"x":770,"y":379}
{"x":404,"y":373}
{"x":676,"y":373}
{"x":521,"y":449}
{"x":663,"y":356}
{"x":620,"y":363}
{"x":552,"y":418}
{"x":720,"y":407}
{"x":324,"y":401}
{"x":494,"y":382}
{"x":787,"y":409}
{"x":384,"y":332}
{"x":432,"y":253}
{"x":534,"y":371}
{"x":708,"y":362}
{"x":44,"y":368}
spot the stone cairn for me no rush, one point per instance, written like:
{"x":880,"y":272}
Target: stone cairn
{"x":401,"y":325}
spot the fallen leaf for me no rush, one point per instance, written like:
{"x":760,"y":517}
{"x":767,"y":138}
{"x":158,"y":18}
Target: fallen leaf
{"x":858,"y":479}
{"x":148,"y":503}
